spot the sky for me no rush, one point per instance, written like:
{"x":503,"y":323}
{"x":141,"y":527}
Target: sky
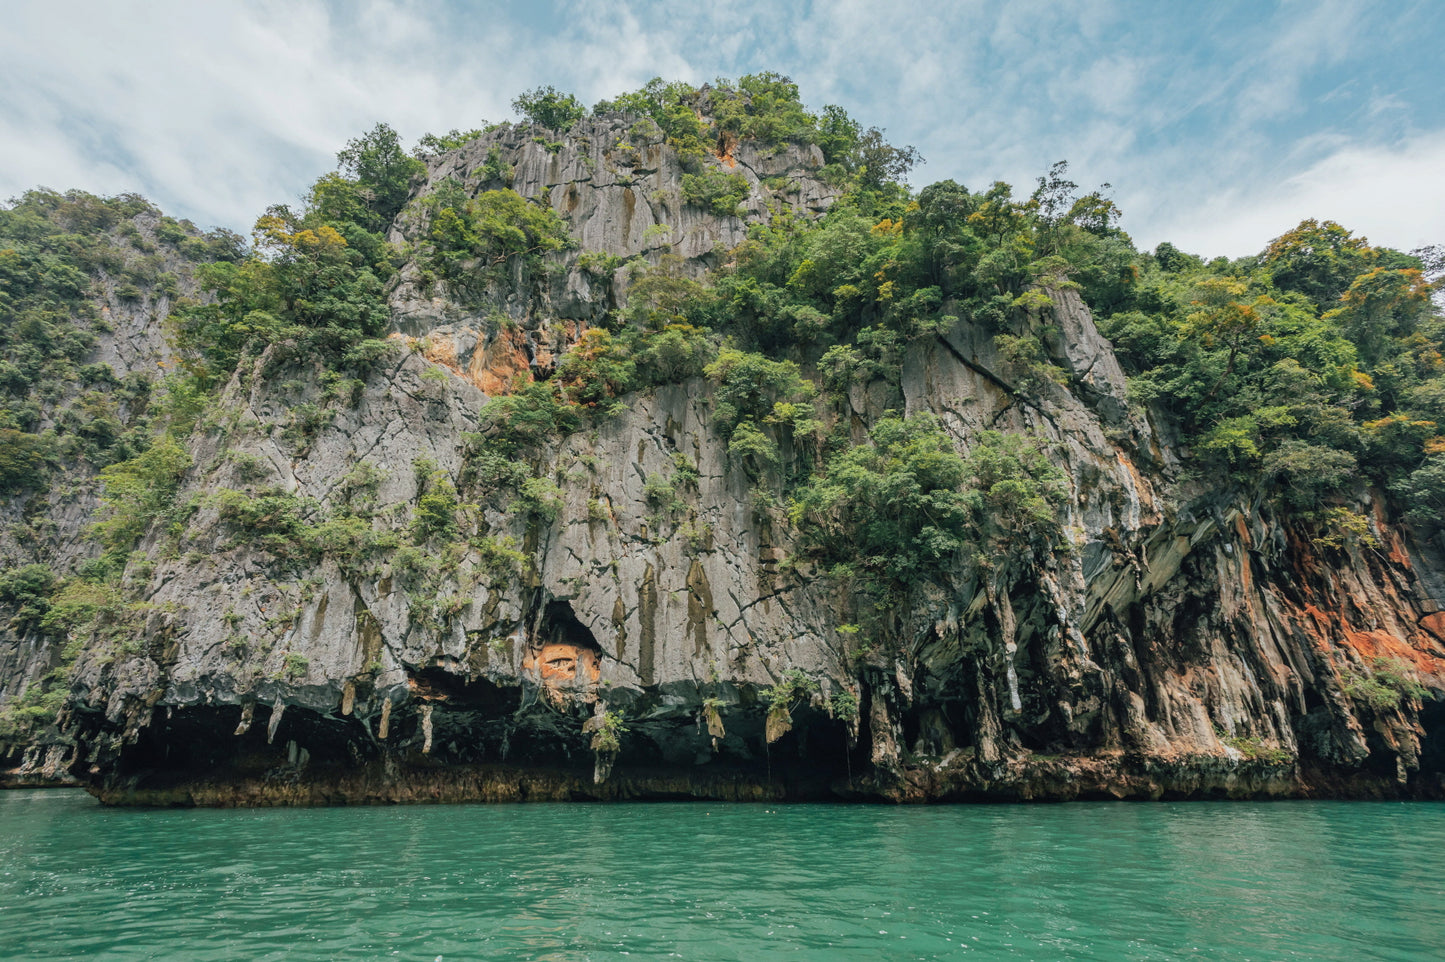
{"x":1219,"y":125}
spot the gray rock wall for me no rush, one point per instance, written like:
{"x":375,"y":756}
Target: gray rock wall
{"x":618,"y":186}
{"x":1175,"y":648}
{"x":53,"y":526}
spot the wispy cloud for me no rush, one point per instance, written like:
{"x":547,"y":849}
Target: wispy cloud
{"x":1394,"y":195}
{"x":216,"y":110}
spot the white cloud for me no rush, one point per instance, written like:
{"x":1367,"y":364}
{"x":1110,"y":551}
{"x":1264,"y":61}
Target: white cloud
{"x":217,"y":110}
{"x":1395,"y":196}
{"x":607,"y":49}
{"x":1301,"y":36}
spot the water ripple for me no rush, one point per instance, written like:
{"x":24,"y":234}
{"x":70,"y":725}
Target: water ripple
{"x":1282,"y":881}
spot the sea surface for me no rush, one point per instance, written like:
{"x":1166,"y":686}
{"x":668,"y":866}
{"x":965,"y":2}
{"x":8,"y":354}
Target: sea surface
{"x":1120,"y":881}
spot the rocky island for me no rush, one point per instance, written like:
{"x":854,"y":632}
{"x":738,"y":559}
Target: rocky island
{"x":676,"y":449}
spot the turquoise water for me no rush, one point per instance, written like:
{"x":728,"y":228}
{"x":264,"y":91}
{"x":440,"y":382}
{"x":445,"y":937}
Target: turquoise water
{"x":1292,"y":880}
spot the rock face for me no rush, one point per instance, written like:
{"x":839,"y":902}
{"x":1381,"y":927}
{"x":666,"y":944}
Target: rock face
{"x":619,"y":188}
{"x":53,"y":527}
{"x":581,"y":636}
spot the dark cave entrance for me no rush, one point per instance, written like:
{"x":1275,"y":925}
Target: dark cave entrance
{"x":559,"y":625}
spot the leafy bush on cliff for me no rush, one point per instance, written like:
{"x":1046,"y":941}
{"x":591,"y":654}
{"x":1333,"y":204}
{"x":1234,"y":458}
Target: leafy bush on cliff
{"x":531,"y":416}
{"x":62,"y":257}
{"x":892,"y":512}
{"x":436,"y":509}
{"x":316,"y":280}
{"x":313,"y":289}
{"x":765,"y":108}
{"x":1424,"y":493}
{"x":783,"y":698}
{"x":378,"y":178}
{"x":907,"y":510}
{"x":137,"y":493}
{"x":715,"y":191}
{"x":1383,"y":684}
{"x":472,"y":238}
{"x":26,"y":591}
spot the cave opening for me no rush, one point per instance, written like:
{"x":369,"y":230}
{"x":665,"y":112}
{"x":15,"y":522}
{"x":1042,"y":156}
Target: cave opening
{"x":480,"y":695}
{"x":182,"y":743}
{"x":1432,"y":745}
{"x":559,"y":625}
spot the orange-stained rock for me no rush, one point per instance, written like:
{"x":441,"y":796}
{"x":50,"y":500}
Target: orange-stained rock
{"x":727,"y":143}
{"x":1435,"y":624}
{"x":564,"y":665}
{"x":494,"y":368}
{"x":442,"y":350}
{"x":497,"y":365}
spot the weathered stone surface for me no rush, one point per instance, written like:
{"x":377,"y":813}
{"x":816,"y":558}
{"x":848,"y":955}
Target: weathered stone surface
{"x":1166,"y":639}
{"x":618,"y":186}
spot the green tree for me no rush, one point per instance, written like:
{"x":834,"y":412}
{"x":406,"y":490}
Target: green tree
{"x":716,"y":191}
{"x":137,"y":492}
{"x":549,"y":107}
{"x":892,"y":513}
{"x":877,"y":163}
{"x":1223,"y":315}
{"x":430,"y":145}
{"x":1423,"y":491}
{"x":26,"y":590}
{"x":384,"y":174}
{"x":750,"y":386}
{"x":1319,"y":260}
{"x":661,"y":294}
{"x":838,"y":134}
{"x":319,"y":281}
{"x":1380,"y":305}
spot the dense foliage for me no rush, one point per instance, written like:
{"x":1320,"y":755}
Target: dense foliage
{"x":905,"y":509}
{"x":1300,"y":372}
{"x":549,"y":107}
{"x":763,"y":107}
{"x":316,"y":281}
{"x":63,"y":259}
{"x":1296,"y":374}
{"x":473,"y":240}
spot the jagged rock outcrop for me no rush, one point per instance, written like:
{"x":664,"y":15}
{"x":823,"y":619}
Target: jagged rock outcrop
{"x":619,"y":188}
{"x":1176,"y":651}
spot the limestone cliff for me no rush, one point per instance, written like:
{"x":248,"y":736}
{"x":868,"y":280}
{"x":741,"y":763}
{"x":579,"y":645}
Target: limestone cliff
{"x":625,"y":617}
{"x":140,"y":264}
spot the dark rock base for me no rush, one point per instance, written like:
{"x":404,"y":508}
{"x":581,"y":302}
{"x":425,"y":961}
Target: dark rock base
{"x":1027,"y":779}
